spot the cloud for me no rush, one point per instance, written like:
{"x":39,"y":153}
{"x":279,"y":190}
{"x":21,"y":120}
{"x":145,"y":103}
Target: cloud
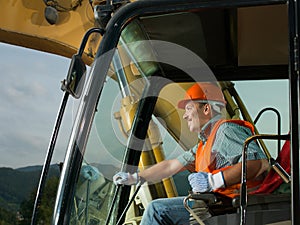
{"x":30,"y":96}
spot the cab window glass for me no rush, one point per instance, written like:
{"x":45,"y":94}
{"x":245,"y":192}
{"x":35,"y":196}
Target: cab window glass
{"x":272,"y":97}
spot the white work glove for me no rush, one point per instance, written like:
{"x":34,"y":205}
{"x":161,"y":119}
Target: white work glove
{"x":206,"y":182}
{"x":125,"y":178}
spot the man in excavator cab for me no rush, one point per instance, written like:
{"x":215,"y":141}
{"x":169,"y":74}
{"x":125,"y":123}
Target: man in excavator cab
{"x":216,"y":158}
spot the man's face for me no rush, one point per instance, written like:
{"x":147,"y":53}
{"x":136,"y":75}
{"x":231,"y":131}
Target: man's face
{"x":195,"y":116}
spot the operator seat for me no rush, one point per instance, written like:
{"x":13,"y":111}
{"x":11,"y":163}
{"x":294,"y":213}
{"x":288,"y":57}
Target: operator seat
{"x":266,"y":204}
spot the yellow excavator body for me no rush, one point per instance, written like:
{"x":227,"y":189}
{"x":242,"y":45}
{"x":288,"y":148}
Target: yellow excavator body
{"x":24,"y":24}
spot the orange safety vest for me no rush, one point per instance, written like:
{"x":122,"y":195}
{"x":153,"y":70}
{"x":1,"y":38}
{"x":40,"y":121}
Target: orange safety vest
{"x":204,"y":162}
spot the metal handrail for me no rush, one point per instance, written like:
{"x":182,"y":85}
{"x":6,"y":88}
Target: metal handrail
{"x":54,"y":135}
{"x":278,"y":122}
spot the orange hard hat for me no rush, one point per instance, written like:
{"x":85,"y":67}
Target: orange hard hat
{"x":205,"y":93}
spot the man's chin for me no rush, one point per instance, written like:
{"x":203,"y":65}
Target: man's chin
{"x":191,"y":129}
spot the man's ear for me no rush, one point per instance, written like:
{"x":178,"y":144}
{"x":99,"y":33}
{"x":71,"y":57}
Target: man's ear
{"x":207,"y":109}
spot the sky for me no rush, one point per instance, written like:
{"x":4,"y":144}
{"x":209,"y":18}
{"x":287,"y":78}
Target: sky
{"x":30,"y":97}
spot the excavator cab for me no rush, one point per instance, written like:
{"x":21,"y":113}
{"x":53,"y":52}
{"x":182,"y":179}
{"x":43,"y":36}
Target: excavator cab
{"x":149,"y":54}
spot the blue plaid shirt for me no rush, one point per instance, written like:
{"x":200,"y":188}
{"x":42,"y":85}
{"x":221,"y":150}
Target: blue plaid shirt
{"x":228,"y":145}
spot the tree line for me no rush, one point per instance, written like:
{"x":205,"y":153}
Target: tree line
{"x":23,"y":215}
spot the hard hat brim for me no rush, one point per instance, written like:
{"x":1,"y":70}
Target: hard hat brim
{"x":182,"y":103}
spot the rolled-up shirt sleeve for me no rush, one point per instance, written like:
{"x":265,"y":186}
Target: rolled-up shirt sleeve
{"x":228,"y":146}
{"x":188,"y":157}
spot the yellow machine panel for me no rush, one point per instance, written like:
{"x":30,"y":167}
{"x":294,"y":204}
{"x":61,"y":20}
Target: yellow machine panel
{"x":23,"y":23}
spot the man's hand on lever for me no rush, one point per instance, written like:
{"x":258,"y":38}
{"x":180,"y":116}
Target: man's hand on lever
{"x":124,"y":178}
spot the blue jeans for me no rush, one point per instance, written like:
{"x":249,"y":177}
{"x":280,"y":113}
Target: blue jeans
{"x":166,"y":211}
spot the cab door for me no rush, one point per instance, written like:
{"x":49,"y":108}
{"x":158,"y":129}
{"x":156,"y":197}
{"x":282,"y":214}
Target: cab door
{"x":294,"y":100}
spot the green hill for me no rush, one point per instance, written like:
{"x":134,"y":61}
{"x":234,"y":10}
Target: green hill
{"x":16,"y":185}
